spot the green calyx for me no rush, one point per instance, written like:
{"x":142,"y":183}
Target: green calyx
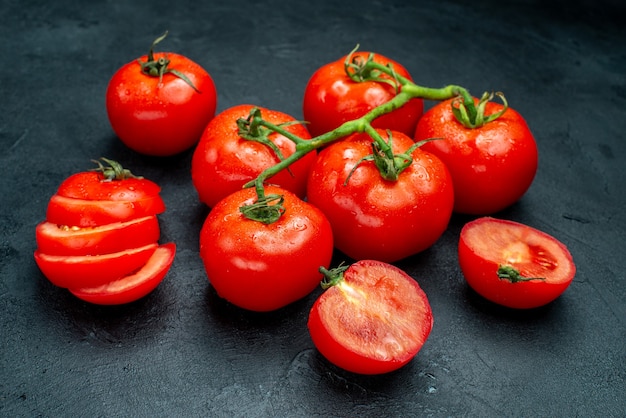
{"x":513,"y":275}
{"x":157,"y":68}
{"x":267,"y":209}
{"x":333,"y":276}
{"x":472,"y":115}
{"x":360,"y":70}
{"x":114,"y":170}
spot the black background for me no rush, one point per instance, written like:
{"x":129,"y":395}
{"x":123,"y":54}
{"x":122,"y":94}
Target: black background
{"x":183,"y":351}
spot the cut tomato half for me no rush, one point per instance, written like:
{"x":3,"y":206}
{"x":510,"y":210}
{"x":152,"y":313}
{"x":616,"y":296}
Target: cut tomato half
{"x":92,"y":270}
{"x":134,"y":286}
{"x":513,"y":264}
{"x":90,"y":213}
{"x":53,"y":239}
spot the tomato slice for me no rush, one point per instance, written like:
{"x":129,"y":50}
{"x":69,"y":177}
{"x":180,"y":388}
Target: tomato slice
{"x":53,"y":239}
{"x":373,"y":321}
{"x":543,"y":265}
{"x":89,"y":213}
{"x":92,"y":270}
{"x":91,"y":185}
{"x":134,"y":286}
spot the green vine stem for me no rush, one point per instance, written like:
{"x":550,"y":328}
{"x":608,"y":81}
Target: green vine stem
{"x":367,"y":70}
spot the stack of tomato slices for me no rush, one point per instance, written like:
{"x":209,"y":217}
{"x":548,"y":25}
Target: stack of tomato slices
{"x":100,"y":237}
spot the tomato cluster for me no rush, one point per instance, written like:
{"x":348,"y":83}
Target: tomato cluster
{"x":100,"y":236}
{"x":368,"y":174}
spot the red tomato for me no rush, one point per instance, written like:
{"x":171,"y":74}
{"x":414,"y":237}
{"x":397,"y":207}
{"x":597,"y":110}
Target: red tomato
{"x":53,"y":239}
{"x":72,"y":271}
{"x":544,"y":265}
{"x":263,"y":267}
{"x":134,"y":286}
{"x":160,"y":115}
{"x":100,"y":236}
{"x":373,"y":218}
{"x":332,"y":98}
{"x":223,"y":161}
{"x":492,"y":166}
{"x":374,"y":320}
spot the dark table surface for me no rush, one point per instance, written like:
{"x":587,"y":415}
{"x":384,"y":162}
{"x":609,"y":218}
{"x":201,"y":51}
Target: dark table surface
{"x":182,"y":350}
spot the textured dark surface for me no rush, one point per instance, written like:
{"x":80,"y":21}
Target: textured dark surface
{"x":181,"y":350}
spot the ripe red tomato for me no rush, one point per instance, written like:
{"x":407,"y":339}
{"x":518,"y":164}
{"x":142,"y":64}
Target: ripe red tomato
{"x":512,"y":264}
{"x":492,"y":166}
{"x":264,"y":267}
{"x":100,"y":236}
{"x":160,"y":114}
{"x":373,"y":218}
{"x":374,"y":320}
{"x":223,"y":161}
{"x":332,"y":98}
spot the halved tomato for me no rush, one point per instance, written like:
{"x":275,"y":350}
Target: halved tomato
{"x":53,"y":239}
{"x":513,"y":264}
{"x":135,"y":286}
{"x":92,"y":270}
{"x":89,"y":213}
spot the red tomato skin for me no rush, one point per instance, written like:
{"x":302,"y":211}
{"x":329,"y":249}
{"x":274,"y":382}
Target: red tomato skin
{"x":223,"y":161}
{"x":262,"y":267}
{"x":90,"y":185}
{"x":93,"y":213}
{"x":481,"y":273}
{"x":330,"y":329}
{"x":54,"y":240}
{"x":132,"y":287}
{"x":331,"y":98}
{"x":491,"y":166}
{"x":92,"y":270}
{"x":377,"y":219}
{"x":160,"y":118}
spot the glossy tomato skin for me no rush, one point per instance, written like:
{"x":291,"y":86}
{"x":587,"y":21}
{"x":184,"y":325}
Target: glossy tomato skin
{"x":486,"y":243}
{"x":332,"y":98}
{"x":134,"y":286}
{"x":491,"y":166}
{"x":53,"y":239}
{"x":373,"y":218}
{"x":160,"y":118}
{"x":264,"y":267}
{"x":223,"y":161}
{"x":374,"y":321}
{"x":91,"y":185}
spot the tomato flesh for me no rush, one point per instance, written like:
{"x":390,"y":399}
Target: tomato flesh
{"x":92,"y":270}
{"x":487,"y":243}
{"x":56,"y":239}
{"x":134,"y":286}
{"x":374,"y":321}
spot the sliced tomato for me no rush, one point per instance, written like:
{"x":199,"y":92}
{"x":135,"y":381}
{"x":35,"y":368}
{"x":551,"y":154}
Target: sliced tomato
{"x":372,"y":321}
{"x":513,"y":264}
{"x":92,"y":185}
{"x":92,"y":270}
{"x":134,"y":286}
{"x":53,"y":239}
{"x":89,"y":213}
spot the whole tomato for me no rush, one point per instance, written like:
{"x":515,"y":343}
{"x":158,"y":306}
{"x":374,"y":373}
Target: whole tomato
{"x":331,"y":98}
{"x":160,"y":103}
{"x":224,"y":160}
{"x":492,"y":166}
{"x":513,"y":264}
{"x":100,"y":236}
{"x":265,"y":266}
{"x":375,"y":218}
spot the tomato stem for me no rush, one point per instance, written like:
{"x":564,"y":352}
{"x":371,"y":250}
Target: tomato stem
{"x":513,"y":275}
{"x":114,"y":170}
{"x":333,"y":276}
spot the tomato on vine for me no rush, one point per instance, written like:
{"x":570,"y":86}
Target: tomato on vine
{"x":513,"y":264}
{"x":491,"y":154}
{"x":372,"y":318}
{"x":160,"y":103}
{"x":345,"y":90}
{"x":100,"y":236}
{"x":262,"y":255}
{"x":383,"y":204}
